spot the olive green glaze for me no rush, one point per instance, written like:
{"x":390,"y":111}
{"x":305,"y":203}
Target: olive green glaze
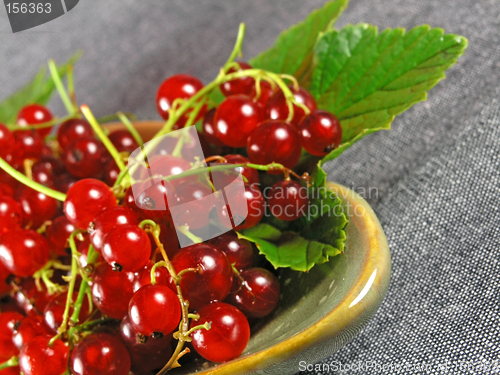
{"x":319,"y":311}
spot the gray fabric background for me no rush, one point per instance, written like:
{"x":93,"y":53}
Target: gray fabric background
{"x":436,"y":172}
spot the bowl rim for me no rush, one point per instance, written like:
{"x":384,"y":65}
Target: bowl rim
{"x":363,"y":298}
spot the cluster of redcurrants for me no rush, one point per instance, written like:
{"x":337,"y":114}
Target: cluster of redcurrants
{"x":257,"y":120}
{"x":220,"y":270}
{"x":137,"y":314}
{"x":220,"y":283}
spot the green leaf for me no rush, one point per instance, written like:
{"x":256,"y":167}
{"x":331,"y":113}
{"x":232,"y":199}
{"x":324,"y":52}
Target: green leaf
{"x":366,"y":78}
{"x":39,"y":91}
{"x":293,"y":50}
{"x":307,"y":241}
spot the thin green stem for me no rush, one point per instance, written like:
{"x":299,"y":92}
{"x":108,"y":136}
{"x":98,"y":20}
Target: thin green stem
{"x":45,"y":273}
{"x":184,"y":229}
{"x":60,"y":88}
{"x":194,"y":113}
{"x":223,"y":167}
{"x":206,"y":325}
{"x":114,"y":116}
{"x":124,"y":119}
{"x":13,"y":361}
{"x":161,"y":263}
{"x":145,"y":222}
{"x":237,"y":46}
{"x":92,"y":323}
{"x":71,"y":285}
{"x":71,"y":86}
{"x":177,"y":152}
{"x":54,"y":121}
{"x":92,"y":256}
{"x":102,"y":136}
{"x":30,"y":183}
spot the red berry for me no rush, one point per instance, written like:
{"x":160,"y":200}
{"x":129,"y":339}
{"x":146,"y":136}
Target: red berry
{"x":28,"y":328}
{"x":112,"y":291}
{"x":179,"y":86}
{"x":100,"y":353}
{"x":37,"y":207}
{"x":123,"y":141}
{"x":165,"y":166}
{"x":29,"y":145}
{"x":63,"y":182}
{"x":11,"y":214}
{"x":246,"y":207}
{"x":54,"y":311}
{"x":46,"y":169}
{"x":240,"y":85}
{"x":239,"y":252}
{"x":213,"y":278}
{"x":85,"y":200}
{"x":277,"y":108}
{"x":320,"y":133}
{"x":34,"y":114}
{"x":6,"y":141}
{"x":194,"y":202}
{"x":111,"y":172}
{"x":31,"y":300}
{"x":257,"y":294}
{"x":38,"y":358}
{"x":146,"y":353}
{"x":228,"y":335}
{"x":8,"y":322}
{"x":105,"y":221}
{"x":126,"y":247}
{"x":162,"y":276}
{"x":71,"y":130}
{"x":155,"y":310}
{"x":58,"y":233}
{"x":5,"y":287}
{"x":85,"y":158}
{"x":153,"y":202}
{"x":250,"y":174}
{"x":23,"y":252}
{"x":266,"y":91}
{"x":209,"y":128}
{"x":288,"y":200}
{"x":216,"y":241}
{"x":274,"y":141}
{"x":236,"y":118}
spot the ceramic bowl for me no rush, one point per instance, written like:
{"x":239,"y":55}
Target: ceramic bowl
{"x":319,"y":311}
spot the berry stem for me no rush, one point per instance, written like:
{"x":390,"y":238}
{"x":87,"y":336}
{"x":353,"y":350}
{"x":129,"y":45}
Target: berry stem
{"x":92,"y":323}
{"x":60,"y":88}
{"x":71,"y":285}
{"x":71,"y":86}
{"x":54,"y":121}
{"x":184,"y":325}
{"x":92,"y":256}
{"x":13,"y":361}
{"x":30,"y":183}
{"x":161,"y":263}
{"x":114,"y":116}
{"x":184,"y":229}
{"x":102,"y":136}
{"x":177,"y":152}
{"x":44,"y":274}
{"x":124,"y":119}
{"x":206,"y":326}
{"x":237,"y":47}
